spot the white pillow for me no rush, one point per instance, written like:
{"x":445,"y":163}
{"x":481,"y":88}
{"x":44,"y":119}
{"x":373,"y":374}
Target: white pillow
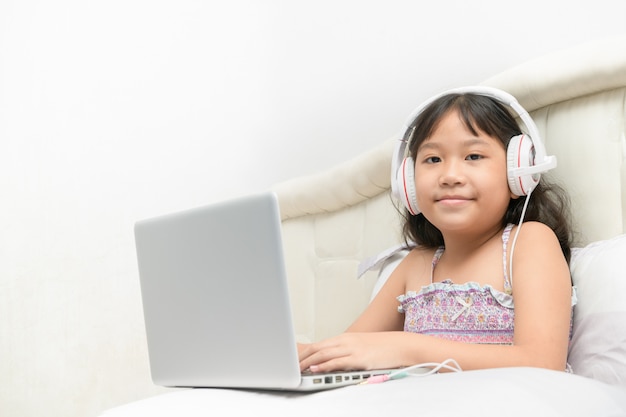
{"x":385,"y":262}
{"x":388,"y":266}
{"x":598,"y":346}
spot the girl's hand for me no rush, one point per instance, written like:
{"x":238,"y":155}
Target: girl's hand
{"x":350,"y":351}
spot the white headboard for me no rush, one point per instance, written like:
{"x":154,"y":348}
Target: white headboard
{"x":335,"y":219}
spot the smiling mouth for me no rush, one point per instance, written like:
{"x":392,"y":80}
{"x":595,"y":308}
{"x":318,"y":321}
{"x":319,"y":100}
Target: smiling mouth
{"x":453,"y":200}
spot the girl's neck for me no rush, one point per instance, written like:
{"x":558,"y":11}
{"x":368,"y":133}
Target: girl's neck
{"x":462,"y":243}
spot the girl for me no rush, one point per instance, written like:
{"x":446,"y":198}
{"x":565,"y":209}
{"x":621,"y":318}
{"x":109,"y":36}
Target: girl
{"x":453,"y":294}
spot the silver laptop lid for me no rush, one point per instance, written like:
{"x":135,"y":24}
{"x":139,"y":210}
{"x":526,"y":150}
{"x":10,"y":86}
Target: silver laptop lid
{"x":215,"y":297}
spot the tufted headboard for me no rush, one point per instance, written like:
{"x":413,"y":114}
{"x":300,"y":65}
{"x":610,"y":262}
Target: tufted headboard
{"x":337,"y":218}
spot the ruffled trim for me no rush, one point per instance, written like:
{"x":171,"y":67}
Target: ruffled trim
{"x":504,"y":299}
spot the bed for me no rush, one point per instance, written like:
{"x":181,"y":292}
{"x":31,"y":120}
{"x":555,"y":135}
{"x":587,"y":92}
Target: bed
{"x":338,"y":219}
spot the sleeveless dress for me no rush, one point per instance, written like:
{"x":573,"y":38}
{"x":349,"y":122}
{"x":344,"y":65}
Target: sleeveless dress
{"x":469,"y":312}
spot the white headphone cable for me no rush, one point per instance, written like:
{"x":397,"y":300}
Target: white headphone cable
{"x":404,"y":372}
{"x":519,"y":227}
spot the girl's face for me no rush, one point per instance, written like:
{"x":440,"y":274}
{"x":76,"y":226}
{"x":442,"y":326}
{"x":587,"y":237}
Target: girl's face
{"x":461,"y":179}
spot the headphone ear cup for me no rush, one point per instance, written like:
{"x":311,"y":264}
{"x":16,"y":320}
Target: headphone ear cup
{"x":521,"y":154}
{"x":406,"y":185}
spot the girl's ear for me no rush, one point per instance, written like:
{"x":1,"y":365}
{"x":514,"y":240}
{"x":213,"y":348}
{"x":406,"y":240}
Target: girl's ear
{"x":513,"y":195}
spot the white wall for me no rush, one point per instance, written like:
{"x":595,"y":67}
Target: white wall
{"x":112,"y":111}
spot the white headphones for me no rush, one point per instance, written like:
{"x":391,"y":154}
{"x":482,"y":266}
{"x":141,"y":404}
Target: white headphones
{"x":526,"y":155}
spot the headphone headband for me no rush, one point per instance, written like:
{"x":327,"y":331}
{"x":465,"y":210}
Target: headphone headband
{"x":517,"y":172}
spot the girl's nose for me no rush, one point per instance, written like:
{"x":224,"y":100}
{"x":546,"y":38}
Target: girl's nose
{"x":452,"y":174}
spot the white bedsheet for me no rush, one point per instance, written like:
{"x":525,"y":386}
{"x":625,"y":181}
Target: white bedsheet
{"x":496,"y":392}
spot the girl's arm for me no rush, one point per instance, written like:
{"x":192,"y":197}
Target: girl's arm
{"x":380,"y":316}
{"x":542,"y":292}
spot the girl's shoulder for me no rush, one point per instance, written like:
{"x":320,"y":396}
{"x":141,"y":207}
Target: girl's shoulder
{"x":535,"y":239}
{"x":421,"y":254}
{"x":416,"y":268}
{"x":531,"y":230}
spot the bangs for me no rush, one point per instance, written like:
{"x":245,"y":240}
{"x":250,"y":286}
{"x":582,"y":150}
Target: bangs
{"x":477,"y":112}
{"x":482,"y":114}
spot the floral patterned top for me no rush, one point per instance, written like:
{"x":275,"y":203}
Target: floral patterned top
{"x":463,"y":312}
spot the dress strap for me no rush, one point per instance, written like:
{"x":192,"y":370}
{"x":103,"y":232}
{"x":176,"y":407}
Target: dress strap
{"x":508,"y":288}
{"x":436,"y":258}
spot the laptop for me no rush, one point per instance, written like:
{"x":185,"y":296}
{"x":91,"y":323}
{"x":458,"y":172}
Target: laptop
{"x":216,"y":302}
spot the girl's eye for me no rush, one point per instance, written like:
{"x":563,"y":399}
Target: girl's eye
{"x":432,"y":160}
{"x":474,"y":157}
